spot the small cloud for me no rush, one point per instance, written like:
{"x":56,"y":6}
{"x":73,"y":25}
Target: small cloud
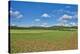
{"x":13,"y":25}
{"x":45,"y":15}
{"x":63,"y":11}
{"x":19,"y":16}
{"x":65,"y":16}
{"x":37,"y":20}
{"x":44,"y":24}
{"x":63,"y":24}
{"x":16,"y":14}
{"x":64,"y":21}
{"x":74,"y":14}
{"x":11,"y":12}
{"x":59,"y":24}
{"x":67,"y":25}
{"x":73,"y":24}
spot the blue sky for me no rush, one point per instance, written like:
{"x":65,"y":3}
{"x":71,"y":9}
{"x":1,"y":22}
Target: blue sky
{"x":42,"y":14}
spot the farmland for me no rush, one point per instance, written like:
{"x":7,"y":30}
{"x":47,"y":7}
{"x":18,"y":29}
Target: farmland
{"x":37,"y":27}
{"x":42,"y":40}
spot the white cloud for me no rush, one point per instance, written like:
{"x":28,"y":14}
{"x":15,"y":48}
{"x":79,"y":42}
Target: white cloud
{"x":65,"y":16}
{"x":44,"y":24}
{"x":13,"y":25}
{"x":11,"y":12}
{"x":16,"y":14}
{"x":45,"y":15}
{"x":64,"y":21}
{"x":63,"y":11}
{"x":37,"y":20}
{"x":73,"y":24}
{"x":19,"y":16}
{"x":59,"y":24}
{"x":63,"y":24}
{"x":67,"y":25}
{"x":73,"y":15}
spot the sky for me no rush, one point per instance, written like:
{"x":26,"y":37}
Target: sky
{"x":26,"y":14}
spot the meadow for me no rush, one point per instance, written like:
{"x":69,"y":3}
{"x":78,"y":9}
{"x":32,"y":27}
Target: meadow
{"x":35,"y":40}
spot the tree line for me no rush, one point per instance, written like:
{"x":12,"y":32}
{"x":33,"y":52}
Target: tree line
{"x":46,"y":28}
